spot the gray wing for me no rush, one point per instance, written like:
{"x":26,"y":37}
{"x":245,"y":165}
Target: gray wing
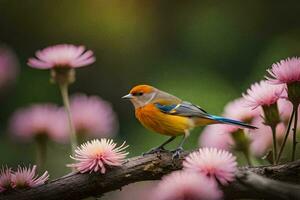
{"x":184,"y":108}
{"x":188,"y":109}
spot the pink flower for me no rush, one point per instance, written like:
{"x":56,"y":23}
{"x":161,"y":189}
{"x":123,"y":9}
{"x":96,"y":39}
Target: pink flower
{"x":216,"y":136}
{"x":8,"y":66}
{"x":231,"y":129}
{"x":26,"y":178}
{"x":139,"y":190}
{"x":213,"y":163}
{"x":5,"y":179}
{"x":285,"y":108}
{"x":92,"y":115}
{"x":261,"y":138}
{"x":263,"y":94}
{"x":95,"y":155}
{"x":285,"y":71}
{"x":40,"y":119}
{"x":238,"y":110}
{"x":62,"y":56}
{"x":183,"y":185}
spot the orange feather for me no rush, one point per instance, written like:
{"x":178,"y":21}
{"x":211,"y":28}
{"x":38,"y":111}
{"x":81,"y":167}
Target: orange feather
{"x":141,"y":88}
{"x":165,"y":124}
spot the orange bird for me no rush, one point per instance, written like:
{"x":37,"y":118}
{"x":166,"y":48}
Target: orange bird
{"x":168,"y":115}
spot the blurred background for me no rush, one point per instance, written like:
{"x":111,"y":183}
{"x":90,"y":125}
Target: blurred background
{"x":207,"y":52}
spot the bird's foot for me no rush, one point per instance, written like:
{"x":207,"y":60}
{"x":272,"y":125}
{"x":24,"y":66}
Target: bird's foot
{"x":177,"y":152}
{"x":155,"y":150}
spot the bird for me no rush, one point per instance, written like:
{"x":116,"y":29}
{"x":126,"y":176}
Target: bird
{"x":168,"y":115}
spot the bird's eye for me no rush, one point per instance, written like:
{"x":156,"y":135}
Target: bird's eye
{"x":137,"y":94}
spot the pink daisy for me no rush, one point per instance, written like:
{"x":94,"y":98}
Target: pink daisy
{"x":217,"y":137}
{"x":261,"y":138}
{"x":26,"y":178}
{"x":8,"y":66}
{"x":263,"y":94}
{"x":285,"y":108}
{"x":5,"y":179}
{"x":62,"y":56}
{"x":40,"y":119}
{"x":183,"y":185}
{"x":139,"y":190}
{"x":92,"y":115}
{"x":212,"y":162}
{"x":285,"y":71}
{"x":95,"y":155}
{"x":238,"y":110}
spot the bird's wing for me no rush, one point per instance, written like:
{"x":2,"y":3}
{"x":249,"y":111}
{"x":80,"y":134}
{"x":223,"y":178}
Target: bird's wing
{"x":184,"y":108}
{"x":188,"y":109}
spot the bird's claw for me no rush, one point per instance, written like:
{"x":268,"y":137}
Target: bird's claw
{"x":177,"y":152}
{"x":155,"y":150}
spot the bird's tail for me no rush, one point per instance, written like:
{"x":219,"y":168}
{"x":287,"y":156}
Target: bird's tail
{"x":224,"y":120}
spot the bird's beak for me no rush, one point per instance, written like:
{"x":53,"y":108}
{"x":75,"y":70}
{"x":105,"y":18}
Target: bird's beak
{"x":127,"y":96}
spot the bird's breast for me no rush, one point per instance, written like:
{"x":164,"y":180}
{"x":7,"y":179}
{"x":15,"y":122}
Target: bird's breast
{"x":152,"y":118}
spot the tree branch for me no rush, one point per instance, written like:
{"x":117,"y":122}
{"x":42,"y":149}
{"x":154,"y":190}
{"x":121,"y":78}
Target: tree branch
{"x":152,"y":167}
{"x":249,"y":185}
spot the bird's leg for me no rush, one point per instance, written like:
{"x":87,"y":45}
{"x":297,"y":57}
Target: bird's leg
{"x":179,"y":149}
{"x":160,"y":148}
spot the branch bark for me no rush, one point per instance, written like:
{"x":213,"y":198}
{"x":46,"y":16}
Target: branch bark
{"x":251,"y":182}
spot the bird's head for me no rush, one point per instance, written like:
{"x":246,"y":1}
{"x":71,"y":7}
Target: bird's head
{"x":141,"y":95}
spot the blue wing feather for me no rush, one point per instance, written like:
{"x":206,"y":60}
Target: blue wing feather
{"x":187,"y":109}
{"x":165,"y":108}
{"x":184,"y":108}
{"x":231,"y":121}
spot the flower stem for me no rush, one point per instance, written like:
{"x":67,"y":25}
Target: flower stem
{"x":247,"y":156}
{"x":41,"y":151}
{"x":65,"y":96}
{"x":274,"y":144}
{"x":286,"y":136}
{"x":295,"y":132}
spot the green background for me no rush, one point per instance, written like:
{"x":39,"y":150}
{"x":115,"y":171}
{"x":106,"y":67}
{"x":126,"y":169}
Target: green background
{"x":207,"y":52}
